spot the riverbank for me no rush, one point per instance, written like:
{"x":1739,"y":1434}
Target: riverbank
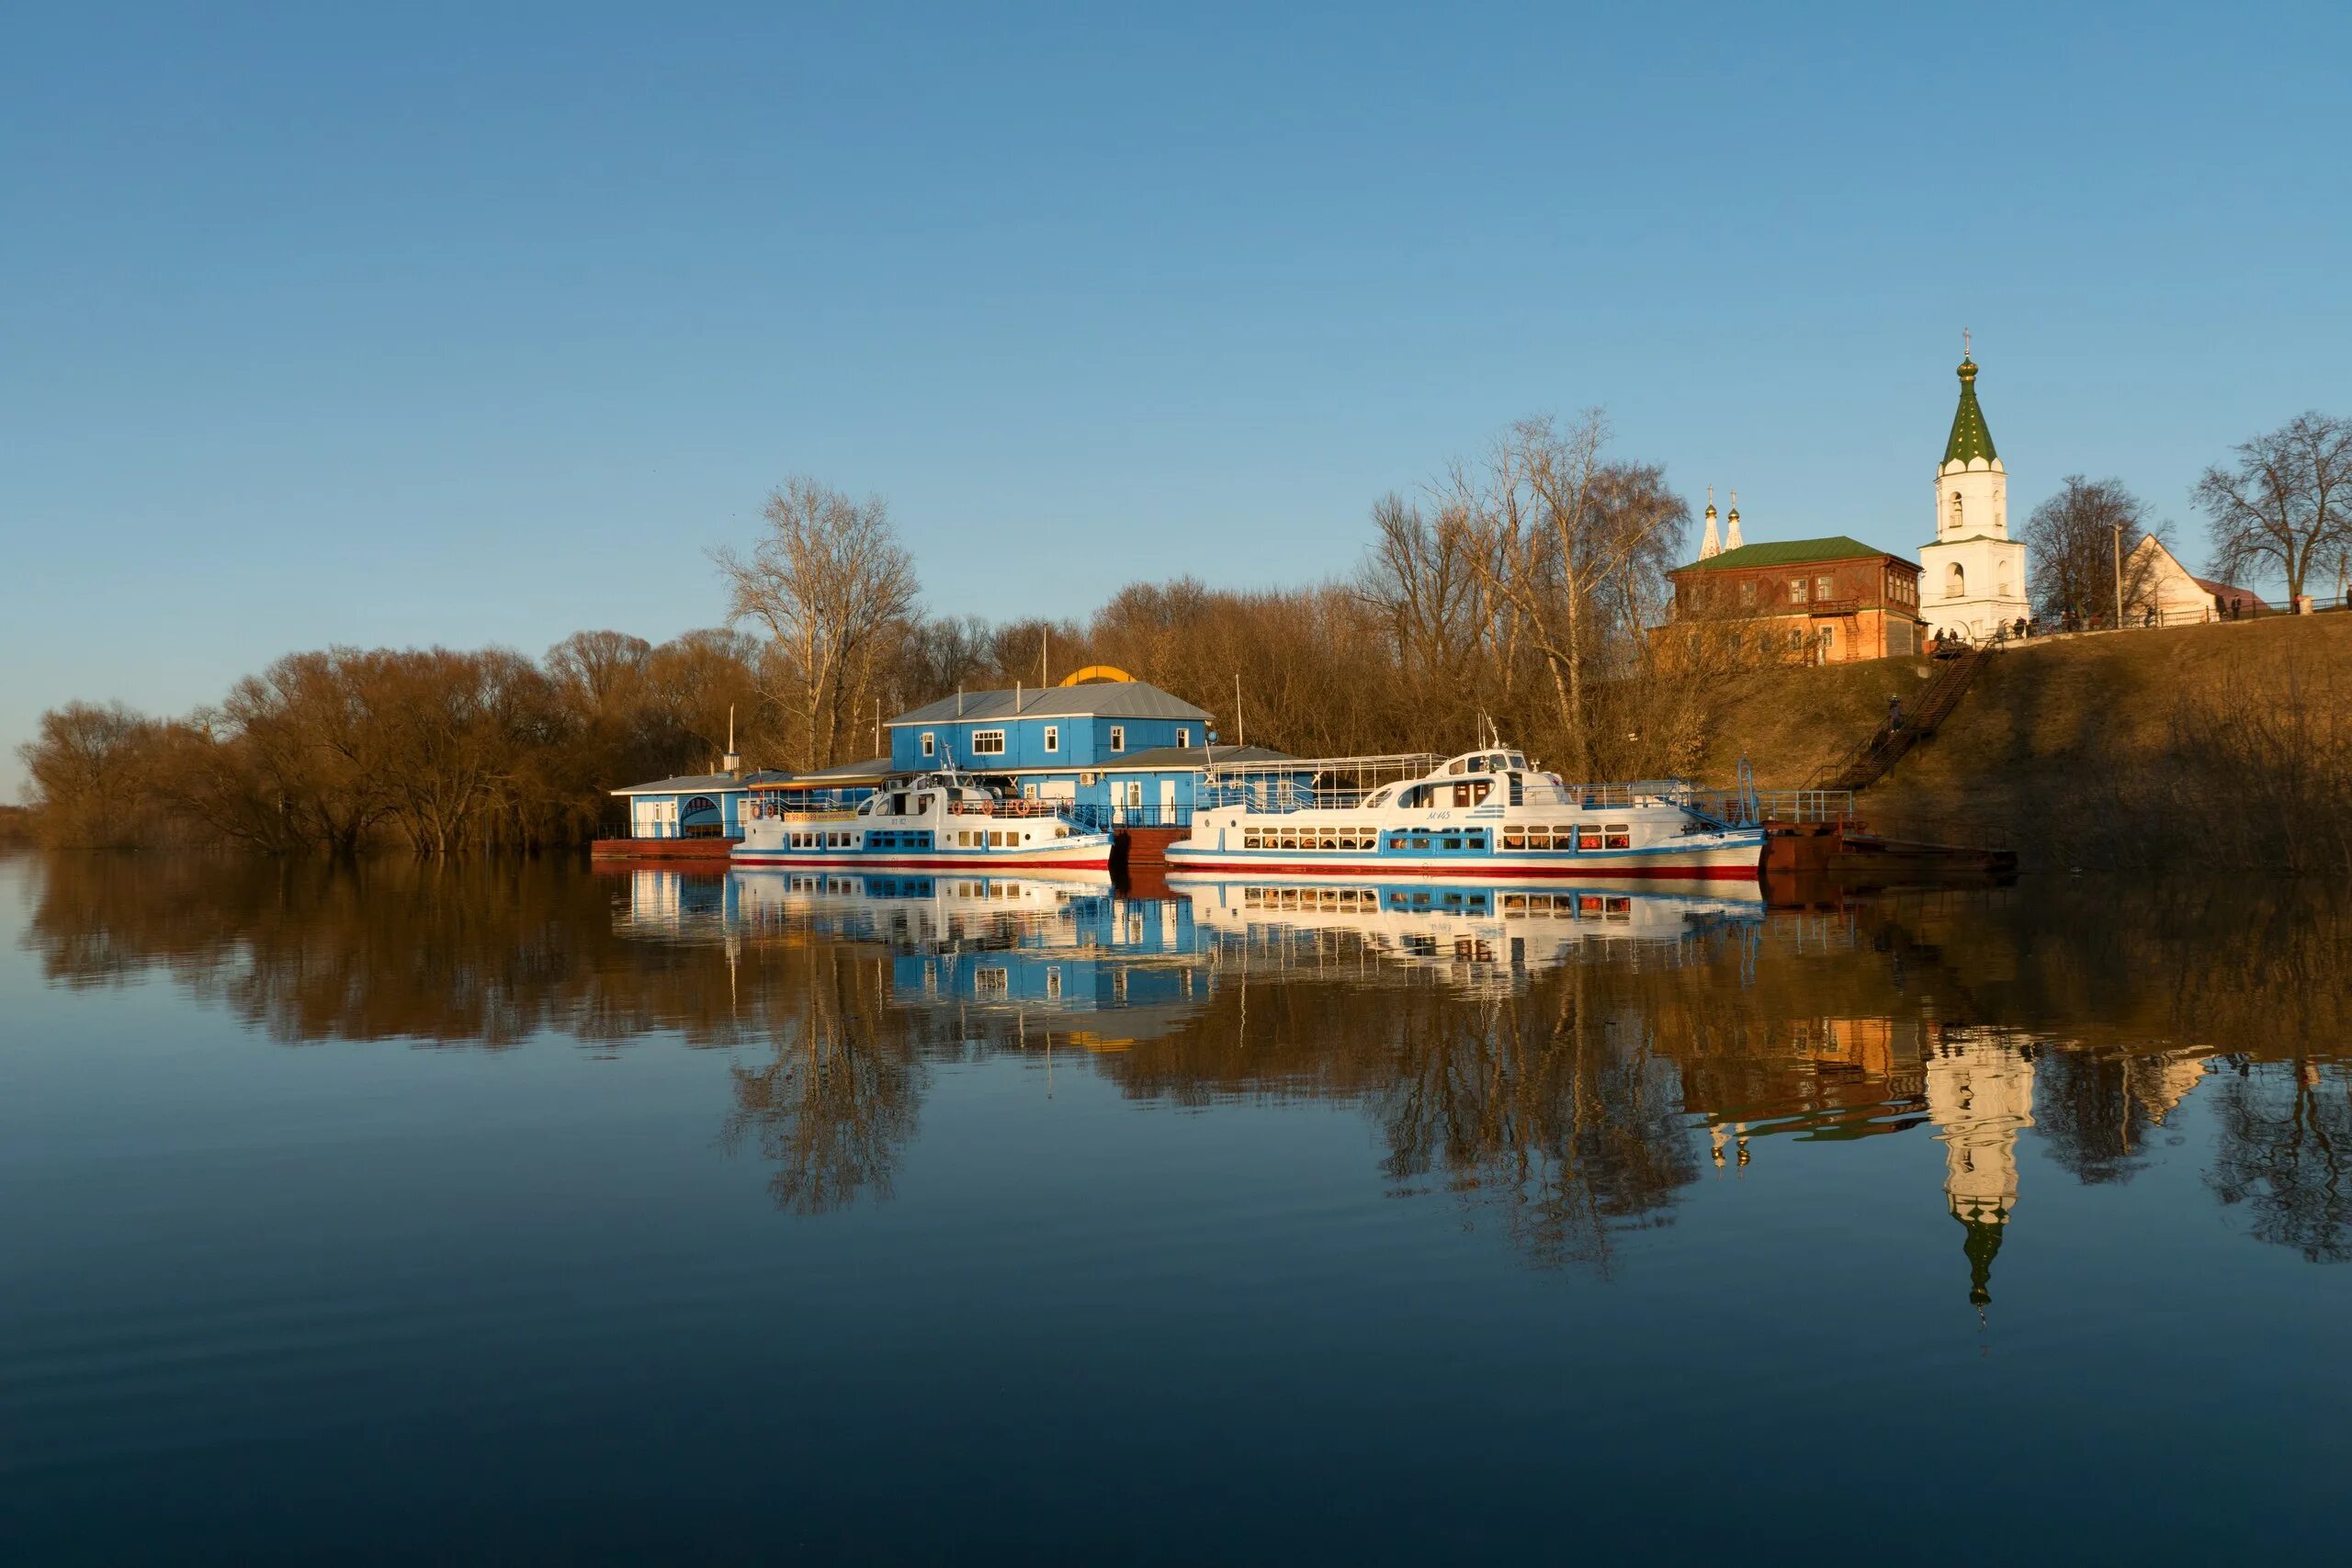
{"x":2224,"y":746}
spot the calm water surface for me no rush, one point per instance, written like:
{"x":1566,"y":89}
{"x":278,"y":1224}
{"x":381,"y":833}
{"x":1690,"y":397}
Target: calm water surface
{"x":520,"y":1212}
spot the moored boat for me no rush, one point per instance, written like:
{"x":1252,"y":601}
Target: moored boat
{"x":934,"y":822}
{"x":1486,"y":814}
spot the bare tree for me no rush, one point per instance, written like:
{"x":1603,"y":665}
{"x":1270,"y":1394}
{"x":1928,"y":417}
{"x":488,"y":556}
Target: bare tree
{"x":2071,"y":543}
{"x":1422,"y":579}
{"x":2287,"y":505}
{"x":1568,"y":540}
{"x":832,"y":586}
{"x":598,"y":668}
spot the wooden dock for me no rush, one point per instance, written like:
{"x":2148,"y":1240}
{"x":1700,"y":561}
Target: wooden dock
{"x":699,"y":853}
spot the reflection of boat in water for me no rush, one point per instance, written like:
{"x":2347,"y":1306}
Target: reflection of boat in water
{"x":1482,"y":815}
{"x":1532,"y":924}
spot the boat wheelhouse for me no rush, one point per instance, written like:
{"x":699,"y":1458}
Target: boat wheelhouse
{"x":1488,"y":814}
{"x":934,"y":821}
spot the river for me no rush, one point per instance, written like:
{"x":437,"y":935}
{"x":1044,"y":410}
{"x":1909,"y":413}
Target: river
{"x":519,"y":1212}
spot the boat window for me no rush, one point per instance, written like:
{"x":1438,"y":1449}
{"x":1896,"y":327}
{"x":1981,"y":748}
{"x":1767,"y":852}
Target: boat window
{"x":1587,"y":837}
{"x":1621,"y":836}
{"x":1514,"y":841}
{"x":899,"y":806}
{"x":1517,"y":761}
{"x":1456,"y":766}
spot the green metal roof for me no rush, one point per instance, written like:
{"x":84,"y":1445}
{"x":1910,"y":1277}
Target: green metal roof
{"x":1786,"y":552}
{"x":1970,"y":437}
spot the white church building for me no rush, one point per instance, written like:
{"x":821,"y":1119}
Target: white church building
{"x":1971,"y":577}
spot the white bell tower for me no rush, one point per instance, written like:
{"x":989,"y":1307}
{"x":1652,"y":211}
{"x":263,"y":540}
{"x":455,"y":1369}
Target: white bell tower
{"x":1971,"y":576}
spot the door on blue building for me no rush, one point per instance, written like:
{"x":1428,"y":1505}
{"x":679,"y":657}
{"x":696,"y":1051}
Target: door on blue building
{"x":699,"y":819}
{"x":1167,"y":802}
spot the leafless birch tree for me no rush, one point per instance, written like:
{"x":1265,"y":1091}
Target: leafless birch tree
{"x":830,"y":585}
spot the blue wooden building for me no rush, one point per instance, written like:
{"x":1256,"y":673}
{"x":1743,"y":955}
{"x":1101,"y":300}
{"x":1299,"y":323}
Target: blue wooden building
{"x":1122,"y":752}
{"x":693,"y":805}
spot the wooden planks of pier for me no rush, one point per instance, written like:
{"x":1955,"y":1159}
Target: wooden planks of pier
{"x":1143,"y":847}
{"x":1848,"y":850}
{"x":667,"y":851}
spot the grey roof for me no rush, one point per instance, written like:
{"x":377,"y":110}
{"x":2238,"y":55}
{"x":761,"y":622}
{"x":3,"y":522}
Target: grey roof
{"x":840,"y":772}
{"x":690,"y":784}
{"x":1109,"y":699}
{"x":1163,"y":757}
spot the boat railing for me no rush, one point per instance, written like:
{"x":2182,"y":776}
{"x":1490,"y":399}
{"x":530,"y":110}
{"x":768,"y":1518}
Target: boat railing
{"x":1741,"y":806}
{"x":1019,"y":807}
{"x":1274,"y":796}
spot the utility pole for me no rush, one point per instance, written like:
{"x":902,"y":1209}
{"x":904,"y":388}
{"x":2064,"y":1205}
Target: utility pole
{"x":2119,"y":574}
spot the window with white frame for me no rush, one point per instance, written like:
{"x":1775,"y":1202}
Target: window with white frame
{"x":1053,"y":738}
{"x":987,"y":743}
{"x":1183,"y":736}
{"x":930,"y":746}
{"x":1118,"y":738}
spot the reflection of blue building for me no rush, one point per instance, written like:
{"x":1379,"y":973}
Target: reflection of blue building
{"x":1033,"y":945}
{"x":1118,"y":750}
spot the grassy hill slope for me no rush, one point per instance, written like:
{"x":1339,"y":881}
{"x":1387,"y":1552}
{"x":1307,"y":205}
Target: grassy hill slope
{"x":2227,"y":745}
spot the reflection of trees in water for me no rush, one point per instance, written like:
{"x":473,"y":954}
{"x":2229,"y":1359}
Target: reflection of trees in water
{"x":1556,"y":1098}
{"x":484,"y":951}
{"x":1532,"y":1106}
{"x":2089,"y":1118}
{"x":837,"y":1105}
{"x":2285,"y":1154}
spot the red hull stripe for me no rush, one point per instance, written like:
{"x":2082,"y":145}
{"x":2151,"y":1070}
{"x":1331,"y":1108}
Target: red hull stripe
{"x":1474,"y":873}
{"x":903,"y":862}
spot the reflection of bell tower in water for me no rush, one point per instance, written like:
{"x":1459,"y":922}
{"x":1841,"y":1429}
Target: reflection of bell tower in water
{"x":1980,"y":1092}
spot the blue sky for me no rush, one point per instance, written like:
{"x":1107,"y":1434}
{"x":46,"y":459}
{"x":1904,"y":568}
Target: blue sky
{"x":482,"y":324}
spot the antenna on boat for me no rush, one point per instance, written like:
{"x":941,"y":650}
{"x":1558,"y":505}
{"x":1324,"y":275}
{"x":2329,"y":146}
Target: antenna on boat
{"x":1241,"y":730}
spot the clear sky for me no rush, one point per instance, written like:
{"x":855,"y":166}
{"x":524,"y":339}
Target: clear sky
{"x":477,"y":324}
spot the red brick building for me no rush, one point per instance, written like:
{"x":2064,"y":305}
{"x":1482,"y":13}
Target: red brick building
{"x":1813,"y":601}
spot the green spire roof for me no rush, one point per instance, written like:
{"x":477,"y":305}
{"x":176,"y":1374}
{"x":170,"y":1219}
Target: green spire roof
{"x":1969,"y":439}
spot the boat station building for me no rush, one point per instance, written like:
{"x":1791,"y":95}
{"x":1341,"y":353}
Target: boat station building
{"x":694,"y":805}
{"x":1122,"y":752}
{"x":1114,"y":750}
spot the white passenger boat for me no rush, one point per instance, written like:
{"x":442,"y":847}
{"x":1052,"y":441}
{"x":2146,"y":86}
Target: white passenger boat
{"x":942,"y":821}
{"x":1487,"y":814}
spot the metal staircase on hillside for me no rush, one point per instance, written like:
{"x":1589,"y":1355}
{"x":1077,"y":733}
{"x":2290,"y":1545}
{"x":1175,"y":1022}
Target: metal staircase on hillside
{"x":1869,"y":762}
